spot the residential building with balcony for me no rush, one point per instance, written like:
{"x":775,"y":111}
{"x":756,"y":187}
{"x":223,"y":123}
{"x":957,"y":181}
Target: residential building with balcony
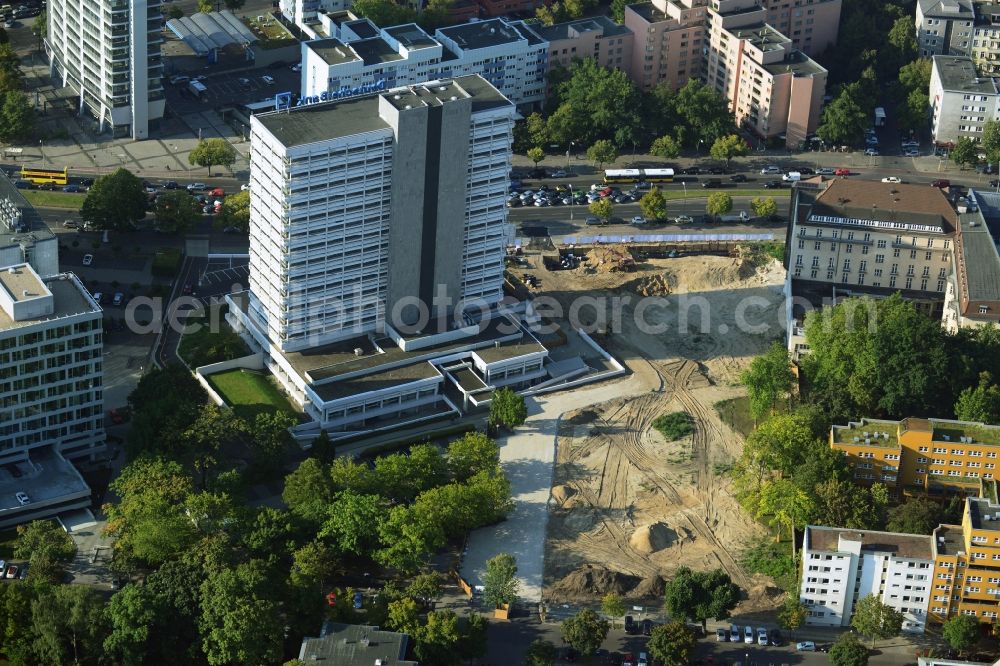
{"x":599,"y":38}
{"x":376,"y":265}
{"x":972,"y":298}
{"x":944,"y":27}
{"x":108,"y":52}
{"x":774,"y":89}
{"x":508,"y":54}
{"x":841,"y":567}
{"x":961,"y":100}
{"x":967,"y":564}
{"x":812,"y":25}
{"x":51,"y":399}
{"x":986,"y":38}
{"x":669,"y":42}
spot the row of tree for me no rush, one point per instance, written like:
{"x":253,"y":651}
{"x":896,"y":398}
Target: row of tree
{"x":17,"y":115}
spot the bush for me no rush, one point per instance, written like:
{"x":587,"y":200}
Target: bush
{"x":767,"y":557}
{"x":166,"y":262}
{"x":674,"y":426}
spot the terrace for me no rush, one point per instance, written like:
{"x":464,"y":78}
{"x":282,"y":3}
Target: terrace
{"x":969,"y":433}
{"x":880,"y":434}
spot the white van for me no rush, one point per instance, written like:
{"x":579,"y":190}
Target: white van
{"x":792,"y":177}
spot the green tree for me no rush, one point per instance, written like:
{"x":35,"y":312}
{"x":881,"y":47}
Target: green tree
{"x":592,"y":103}
{"x":234,"y":212}
{"x":665,"y":146}
{"x":174,"y":12}
{"x":990,"y":141}
{"x":727,"y":147}
{"x":313,"y":564}
{"x":352,"y":522}
{"x":235,"y":606}
{"x":426,"y":587}
{"x":848,"y":651}
{"x":538,"y":131}
{"x":507,"y":409}
{"x":602,"y":208}
{"x":700,"y":595}
{"x":653,"y":204}
{"x":437,"y":640}
{"x":704,"y":114}
{"x":206,"y":6}
{"x":780,"y":444}
{"x":877,"y":357}
{"x":961,"y":632}
{"x":768,"y":379}
{"x":844,"y":120}
{"x":613,"y":605}
{"x":404,"y":616}
{"x":764,"y":207}
{"x":792,"y":615}
{"x":69,"y":625}
{"x":875,"y":619}
{"x":17,"y":116}
{"x":116,"y":202}
{"x":41,"y":24}
{"x":176,"y":212}
{"x":203,"y":442}
{"x":472,"y":453}
{"x":585,"y":631}
{"x":784,"y":504}
{"x":540,"y":653}
{"x":536,"y":155}
{"x":965,"y":152}
{"x":500,"y":581}
{"x":980,"y":403}
{"x":309,"y":491}
{"x":903,"y":38}
{"x":47,"y":547}
{"x":472,"y":640}
{"x":601,"y":152}
{"x":618,"y":11}
{"x":132,"y":614}
{"x":916,"y":75}
{"x":845,"y":504}
{"x":212,"y":152}
{"x":719,"y":203}
{"x":672,"y":644}
{"x":911,"y":112}
{"x":917,"y":515}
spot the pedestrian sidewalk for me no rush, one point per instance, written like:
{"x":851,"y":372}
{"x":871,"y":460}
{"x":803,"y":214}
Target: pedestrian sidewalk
{"x":904,"y":644}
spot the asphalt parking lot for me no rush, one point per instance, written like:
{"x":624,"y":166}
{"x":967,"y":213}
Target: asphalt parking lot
{"x":223,"y":277}
{"x":232,"y":89}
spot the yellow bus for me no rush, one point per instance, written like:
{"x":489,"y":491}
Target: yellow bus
{"x":40,"y":176}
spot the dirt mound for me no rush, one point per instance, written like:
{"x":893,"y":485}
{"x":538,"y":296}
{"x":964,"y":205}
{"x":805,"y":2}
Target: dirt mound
{"x":651,"y":285}
{"x":562,"y":493}
{"x":652,"y":538}
{"x":580,"y":417}
{"x":721,"y":276}
{"x":580,"y":520}
{"x":589,"y":581}
{"x":610,"y":258}
{"x":649,"y":588}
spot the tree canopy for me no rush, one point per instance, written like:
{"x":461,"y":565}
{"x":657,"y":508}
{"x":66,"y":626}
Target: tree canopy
{"x":176,"y":212}
{"x":768,"y":379}
{"x":672,"y":644}
{"x":875,"y":619}
{"x":844,"y":119}
{"x":653,"y":204}
{"x":725,"y":148}
{"x":701,"y":595}
{"x":115,"y":202}
{"x":961,"y":632}
{"x":213,"y":152}
{"x":848,"y":651}
{"x":500,"y":581}
{"x":507,"y":408}
{"x":719,"y":203}
{"x":234,"y":212}
{"x":585,"y":631}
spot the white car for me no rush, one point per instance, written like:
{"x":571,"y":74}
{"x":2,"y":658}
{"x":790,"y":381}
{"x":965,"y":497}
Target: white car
{"x":761,"y":636}
{"x":558,"y":174}
{"x":770,"y":170}
{"x":297,"y":67}
{"x":22,"y":498}
{"x":88,"y":259}
{"x":805,"y":646}
{"x":748,"y":634}
{"x":892,"y":179}
{"x":269,"y":80}
{"x":825,"y":171}
{"x":684,"y":219}
{"x":638,"y":219}
{"x":871,"y":152}
{"x":244,"y":187}
{"x":911,"y":152}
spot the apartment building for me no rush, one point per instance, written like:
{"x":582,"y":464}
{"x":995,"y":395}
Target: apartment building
{"x":854,"y":238}
{"x":918,"y":456}
{"x":51,"y":403}
{"x":599,"y":38}
{"x":961,"y":100}
{"x":972,"y":298}
{"x":986,"y":38}
{"x":669,"y":41}
{"x":774,"y":89}
{"x":841,"y":566}
{"x":508,"y":54}
{"x":363,"y":211}
{"x":108,"y":52}
{"x":812,"y":25}
{"x":944,"y":27}
{"x":967,"y":564}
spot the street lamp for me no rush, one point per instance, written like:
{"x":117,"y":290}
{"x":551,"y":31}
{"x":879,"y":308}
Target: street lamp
{"x":571,"y":202}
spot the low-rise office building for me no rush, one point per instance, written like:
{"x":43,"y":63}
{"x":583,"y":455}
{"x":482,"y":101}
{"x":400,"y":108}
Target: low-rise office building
{"x":841,"y":566}
{"x":961,"y":100}
{"x":944,"y":27}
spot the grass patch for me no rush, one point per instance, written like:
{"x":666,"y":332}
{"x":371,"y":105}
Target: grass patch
{"x":735,"y":413}
{"x":250,"y":393}
{"x":205,"y":346}
{"x":774,"y":250}
{"x":671,"y":195}
{"x":166,"y":262}
{"x":766,"y":556}
{"x":50,"y":199}
{"x":674,"y":426}
{"x":7,"y":540}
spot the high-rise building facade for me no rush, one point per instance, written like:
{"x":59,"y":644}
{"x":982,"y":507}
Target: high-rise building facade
{"x":108,"y":51}
{"x":967,"y":563}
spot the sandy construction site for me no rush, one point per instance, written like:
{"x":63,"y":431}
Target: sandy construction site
{"x":628,"y":507}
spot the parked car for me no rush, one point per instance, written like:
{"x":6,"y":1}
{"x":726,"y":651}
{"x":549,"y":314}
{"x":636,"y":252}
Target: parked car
{"x":195,"y":187}
{"x":805,"y":646}
{"x":217,"y":192}
{"x":806,"y":171}
{"x":358,"y":600}
{"x":738,"y":178}
{"x":179,"y":79}
{"x":297,"y":67}
{"x":11,"y":571}
{"x":638,"y":219}
{"x":22,"y":184}
{"x":691,"y":171}
{"x":70,"y":224}
{"x":770,"y":171}
{"x":591,"y":220}
{"x":734,"y":633}
{"x":98,"y":297}
{"x":72,"y":187}
{"x":941,"y":183}
{"x":22,"y":498}
{"x":748,"y":634}
{"x":892,"y":179}
{"x":871,"y":152}
{"x":773,"y":185}
{"x":911,"y":152}
{"x":647,"y":627}
{"x":712,"y":182}
{"x":684,"y":219}
{"x":643,"y":660}
{"x":721,"y":635}
{"x":24,"y":571}
{"x":118,"y":300}
{"x":776,"y":638}
{"x":842,"y":171}
{"x":170,"y":185}
{"x":559,"y":173}
{"x":630,"y":627}
{"x":88,"y":259}
{"x":825,"y":171}
{"x":761,"y":636}
{"x":269,"y":80}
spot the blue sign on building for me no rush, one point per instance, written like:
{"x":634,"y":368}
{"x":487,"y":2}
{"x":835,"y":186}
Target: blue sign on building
{"x":284,"y":100}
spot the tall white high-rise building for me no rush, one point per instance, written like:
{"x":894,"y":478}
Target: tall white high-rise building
{"x":108,"y":51}
{"x":363,"y":206}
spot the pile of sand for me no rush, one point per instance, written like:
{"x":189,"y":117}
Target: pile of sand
{"x":652,"y":538}
{"x":562,"y":493}
{"x":610,"y":258}
{"x":649,"y":588}
{"x":589,"y":581}
{"x":652,"y":285}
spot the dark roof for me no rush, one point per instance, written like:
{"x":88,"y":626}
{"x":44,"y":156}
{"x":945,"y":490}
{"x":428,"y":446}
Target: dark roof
{"x":363,"y":28}
{"x":601,"y":24}
{"x":951,"y":9}
{"x":411,"y":36}
{"x":865,"y":201}
{"x":485,"y":34}
{"x":332,"y":51}
{"x":797,"y":63}
{"x":979,"y":265}
{"x":356,"y":645}
{"x":375,"y":50}
{"x":827,"y":539}
{"x":958,"y":74}
{"x":376,"y":381}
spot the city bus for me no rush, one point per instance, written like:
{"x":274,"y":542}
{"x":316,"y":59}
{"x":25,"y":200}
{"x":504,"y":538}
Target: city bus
{"x":41,"y":176}
{"x":622,"y":176}
{"x":659,"y":175}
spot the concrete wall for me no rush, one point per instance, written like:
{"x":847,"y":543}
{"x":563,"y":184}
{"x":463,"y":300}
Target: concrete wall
{"x":252,"y":362}
{"x":453,"y":181}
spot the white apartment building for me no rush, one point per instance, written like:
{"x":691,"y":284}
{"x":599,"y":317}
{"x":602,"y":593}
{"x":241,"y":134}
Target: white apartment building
{"x":508,"y":54}
{"x":944,"y":27}
{"x":51,"y":401}
{"x":24,"y":236}
{"x":108,"y":51}
{"x":841,"y":566}
{"x":961,"y":100}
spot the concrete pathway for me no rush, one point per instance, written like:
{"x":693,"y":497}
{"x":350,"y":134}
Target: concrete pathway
{"x":528,"y":457}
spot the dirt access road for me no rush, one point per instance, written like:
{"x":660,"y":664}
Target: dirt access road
{"x":628,"y":507}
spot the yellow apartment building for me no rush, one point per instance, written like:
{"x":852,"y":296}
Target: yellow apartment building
{"x":967,"y":563}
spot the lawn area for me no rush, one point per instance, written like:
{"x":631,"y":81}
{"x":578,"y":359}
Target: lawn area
{"x":205,"y":346}
{"x":250,"y":392}
{"x":46,"y":199}
{"x":735,"y":413}
{"x":7,"y":539}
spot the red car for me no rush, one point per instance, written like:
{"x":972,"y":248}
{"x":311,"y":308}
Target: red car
{"x":941,"y":183}
{"x":842,"y":172}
